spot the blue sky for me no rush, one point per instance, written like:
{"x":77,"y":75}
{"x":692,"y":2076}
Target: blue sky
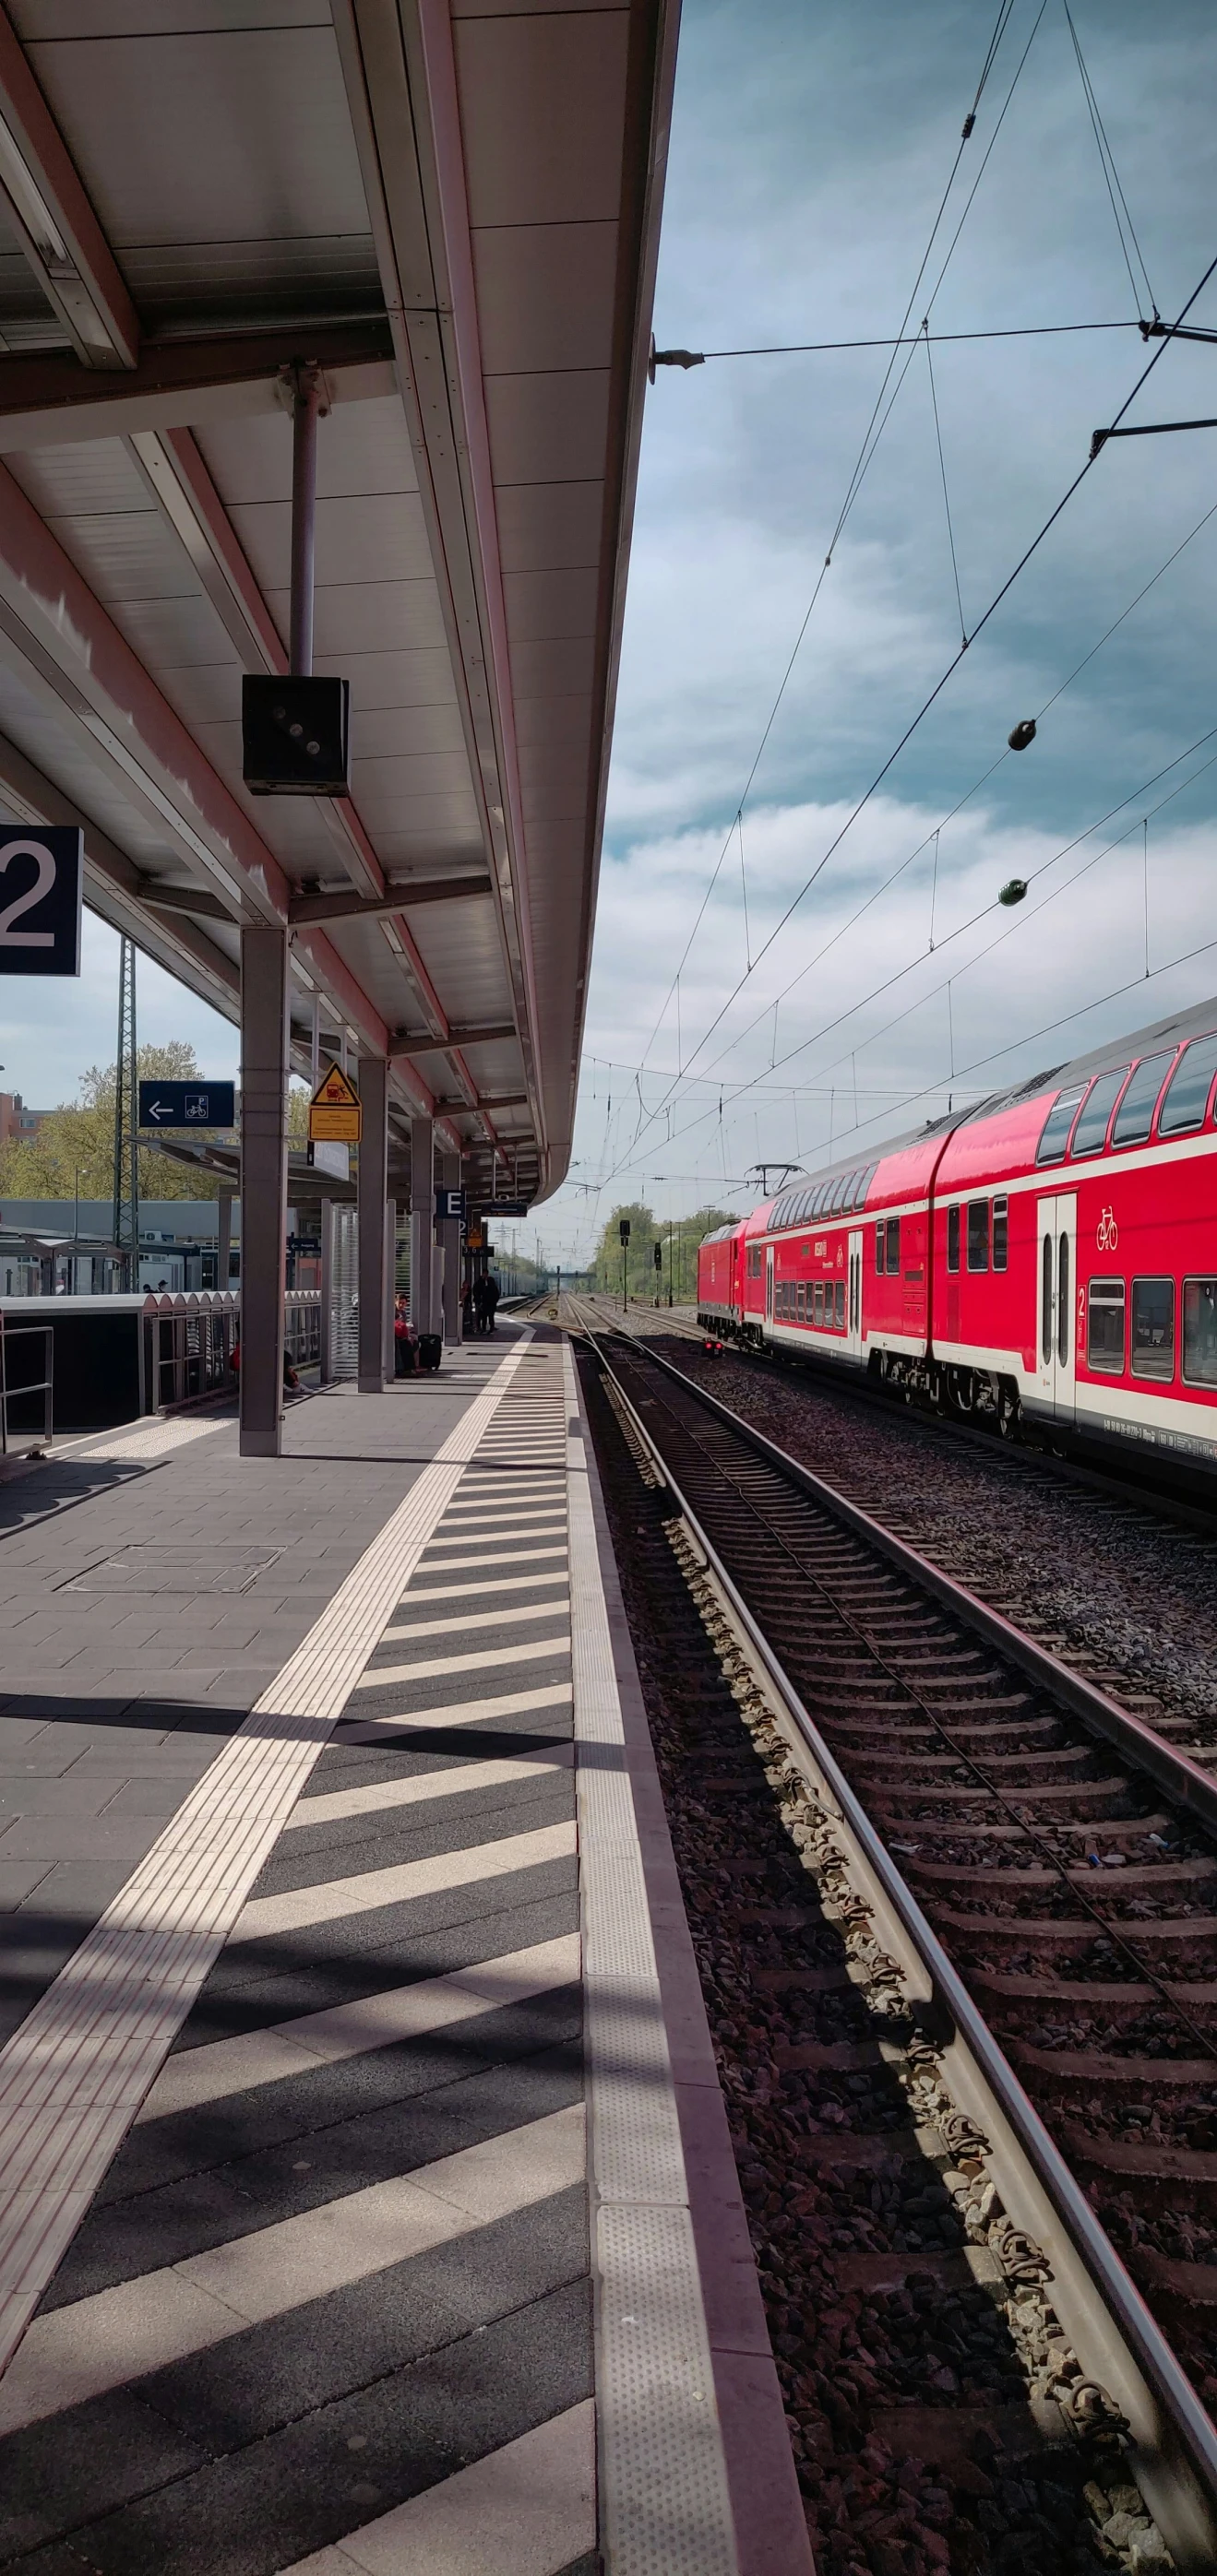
{"x":810,"y":150}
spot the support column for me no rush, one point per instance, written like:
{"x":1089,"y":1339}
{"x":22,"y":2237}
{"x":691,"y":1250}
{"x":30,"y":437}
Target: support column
{"x":390,"y":1349}
{"x":422,"y":1218}
{"x":264,"y":1069}
{"x":450,"y":1239}
{"x":373,"y":1082}
{"x":327,"y":1292}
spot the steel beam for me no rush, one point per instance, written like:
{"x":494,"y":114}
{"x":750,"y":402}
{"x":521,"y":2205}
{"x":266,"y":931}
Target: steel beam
{"x":72,"y":658}
{"x":401,"y":893}
{"x":54,"y":222}
{"x":176,"y":383}
{"x":407,"y":1044}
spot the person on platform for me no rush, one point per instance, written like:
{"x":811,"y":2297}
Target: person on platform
{"x":405,"y":1341}
{"x":492,"y":1298}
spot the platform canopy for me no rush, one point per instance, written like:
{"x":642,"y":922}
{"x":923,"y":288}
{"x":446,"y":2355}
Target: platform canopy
{"x":451,"y":208}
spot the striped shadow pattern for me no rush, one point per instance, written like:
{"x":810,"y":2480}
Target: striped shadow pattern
{"x":331,"y":2307}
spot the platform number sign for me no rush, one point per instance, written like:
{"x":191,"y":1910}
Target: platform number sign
{"x":41,"y":894}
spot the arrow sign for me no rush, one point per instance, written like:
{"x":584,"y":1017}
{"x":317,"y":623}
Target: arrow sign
{"x":187,"y":1104}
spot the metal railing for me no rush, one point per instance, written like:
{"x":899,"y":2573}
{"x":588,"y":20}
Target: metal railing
{"x":19,"y":1386}
{"x":190,"y":1337}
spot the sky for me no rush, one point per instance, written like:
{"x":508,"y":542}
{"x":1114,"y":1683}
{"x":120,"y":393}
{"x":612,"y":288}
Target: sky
{"x":810,"y":152}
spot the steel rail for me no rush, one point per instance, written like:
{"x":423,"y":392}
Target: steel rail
{"x":1176,"y":2441}
{"x":1175,"y":1772}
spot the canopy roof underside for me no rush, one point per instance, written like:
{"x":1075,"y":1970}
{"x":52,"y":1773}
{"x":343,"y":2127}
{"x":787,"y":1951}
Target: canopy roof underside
{"x":450,"y":207}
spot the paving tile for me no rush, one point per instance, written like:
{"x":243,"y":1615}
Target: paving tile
{"x":18,"y":1879}
{"x":53,"y":2475}
{"x":67,"y":1796}
{"x":70,"y":1838}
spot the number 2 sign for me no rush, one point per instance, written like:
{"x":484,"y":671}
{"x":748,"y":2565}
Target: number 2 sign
{"x":41,"y":892}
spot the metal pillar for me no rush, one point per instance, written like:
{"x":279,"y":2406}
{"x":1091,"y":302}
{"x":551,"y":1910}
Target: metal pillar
{"x":422,"y":1219}
{"x":450,"y":1241}
{"x":126,"y":1119}
{"x":304,"y":516}
{"x":390,"y":1342}
{"x":264,"y":1069}
{"x":373,"y":1079}
{"x":327,"y":1291}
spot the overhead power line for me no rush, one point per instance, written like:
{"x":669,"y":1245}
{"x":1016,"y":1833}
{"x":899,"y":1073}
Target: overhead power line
{"x":934,"y":694}
{"x":687,"y":358}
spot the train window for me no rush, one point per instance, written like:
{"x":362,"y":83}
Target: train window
{"x":1105,"y":1325}
{"x":893,"y":1247}
{"x":800,"y":1303}
{"x":1091,"y":1129}
{"x":754,"y":1261}
{"x":1046,"y":1302}
{"x":1054,"y":1135}
{"x":840,"y":1313}
{"x":880,"y":1241}
{"x":1153,"y":1328}
{"x":1189,"y":1087}
{"x":854,"y":1188}
{"x":1134,"y":1117}
{"x":952,"y":1238}
{"x":1200,"y":1332}
{"x":1001,"y":1233}
{"x":1064,"y":1302}
{"x":978,"y":1234}
{"x":818,"y":1316}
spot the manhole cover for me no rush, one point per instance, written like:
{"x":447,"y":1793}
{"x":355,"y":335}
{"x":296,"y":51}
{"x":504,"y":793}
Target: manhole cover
{"x":147,"y":1567}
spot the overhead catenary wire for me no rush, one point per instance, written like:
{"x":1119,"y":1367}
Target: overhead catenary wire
{"x":853,"y":486}
{"x":745,"y":1089}
{"x":1119,"y":202}
{"x":939,"y":339}
{"x":940,"y":684}
{"x":957,"y":808}
{"x":946,"y":497}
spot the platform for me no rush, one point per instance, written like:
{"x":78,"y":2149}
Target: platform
{"x":367,"y":2200}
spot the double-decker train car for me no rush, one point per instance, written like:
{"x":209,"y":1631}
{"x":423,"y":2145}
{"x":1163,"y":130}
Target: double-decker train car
{"x":1050,"y":1255}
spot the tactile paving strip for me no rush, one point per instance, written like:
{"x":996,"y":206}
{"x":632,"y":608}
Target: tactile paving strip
{"x":74,"y":2074}
{"x":665,"y":2508}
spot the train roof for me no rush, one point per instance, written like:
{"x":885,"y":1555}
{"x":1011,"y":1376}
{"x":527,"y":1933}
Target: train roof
{"x":790,"y":1209}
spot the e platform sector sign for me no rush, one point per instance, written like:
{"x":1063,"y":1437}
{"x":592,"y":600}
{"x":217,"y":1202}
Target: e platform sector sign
{"x":335,"y":1114}
{"x":41,"y":893}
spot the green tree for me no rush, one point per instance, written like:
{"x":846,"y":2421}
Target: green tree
{"x":678,"y":1243}
{"x":72,"y":1154}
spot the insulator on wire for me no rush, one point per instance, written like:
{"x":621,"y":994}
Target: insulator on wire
{"x":1013,"y":890}
{"x":1023,"y":734}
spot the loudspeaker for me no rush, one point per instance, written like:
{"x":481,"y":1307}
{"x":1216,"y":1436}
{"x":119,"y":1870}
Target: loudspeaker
{"x":295,"y":736}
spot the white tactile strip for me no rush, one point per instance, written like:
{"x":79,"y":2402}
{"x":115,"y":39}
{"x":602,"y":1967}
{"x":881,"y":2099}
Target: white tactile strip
{"x":665,"y":2507}
{"x":74,"y":2073}
{"x":526,"y":2507}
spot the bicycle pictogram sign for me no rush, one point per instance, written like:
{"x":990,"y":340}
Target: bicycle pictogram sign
{"x":1107,"y":1232}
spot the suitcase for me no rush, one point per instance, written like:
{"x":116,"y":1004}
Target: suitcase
{"x":430,"y":1350}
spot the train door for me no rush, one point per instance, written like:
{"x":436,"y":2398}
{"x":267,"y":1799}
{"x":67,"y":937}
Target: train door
{"x":853,"y":1302}
{"x":769,"y":1283}
{"x":1056,"y":1289}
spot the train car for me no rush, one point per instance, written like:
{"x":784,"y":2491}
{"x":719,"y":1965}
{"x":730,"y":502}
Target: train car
{"x":1049,"y":1257}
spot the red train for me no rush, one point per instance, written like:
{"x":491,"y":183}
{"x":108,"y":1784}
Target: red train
{"x":1050,"y":1254}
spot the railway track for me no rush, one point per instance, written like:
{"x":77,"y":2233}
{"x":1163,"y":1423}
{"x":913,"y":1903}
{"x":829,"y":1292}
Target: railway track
{"x":1026,"y":1882}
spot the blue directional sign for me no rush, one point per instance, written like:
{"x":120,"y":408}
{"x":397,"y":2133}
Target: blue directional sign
{"x":41,"y":893}
{"x":449,"y":1204}
{"x":187,"y":1104}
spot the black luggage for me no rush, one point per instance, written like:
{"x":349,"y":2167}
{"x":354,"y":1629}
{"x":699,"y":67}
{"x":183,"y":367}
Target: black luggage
{"x":430,"y":1350}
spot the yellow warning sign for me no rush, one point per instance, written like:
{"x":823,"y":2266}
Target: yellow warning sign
{"x":335,"y":1114}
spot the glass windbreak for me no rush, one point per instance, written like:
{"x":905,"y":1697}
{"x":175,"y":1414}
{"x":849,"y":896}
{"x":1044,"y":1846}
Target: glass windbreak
{"x":1054,"y":1135}
{"x":1189,"y":1087}
{"x":1153,"y":1328}
{"x":1134,"y":1117}
{"x":1200,"y":1331}
{"x":1100,"y":1100}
